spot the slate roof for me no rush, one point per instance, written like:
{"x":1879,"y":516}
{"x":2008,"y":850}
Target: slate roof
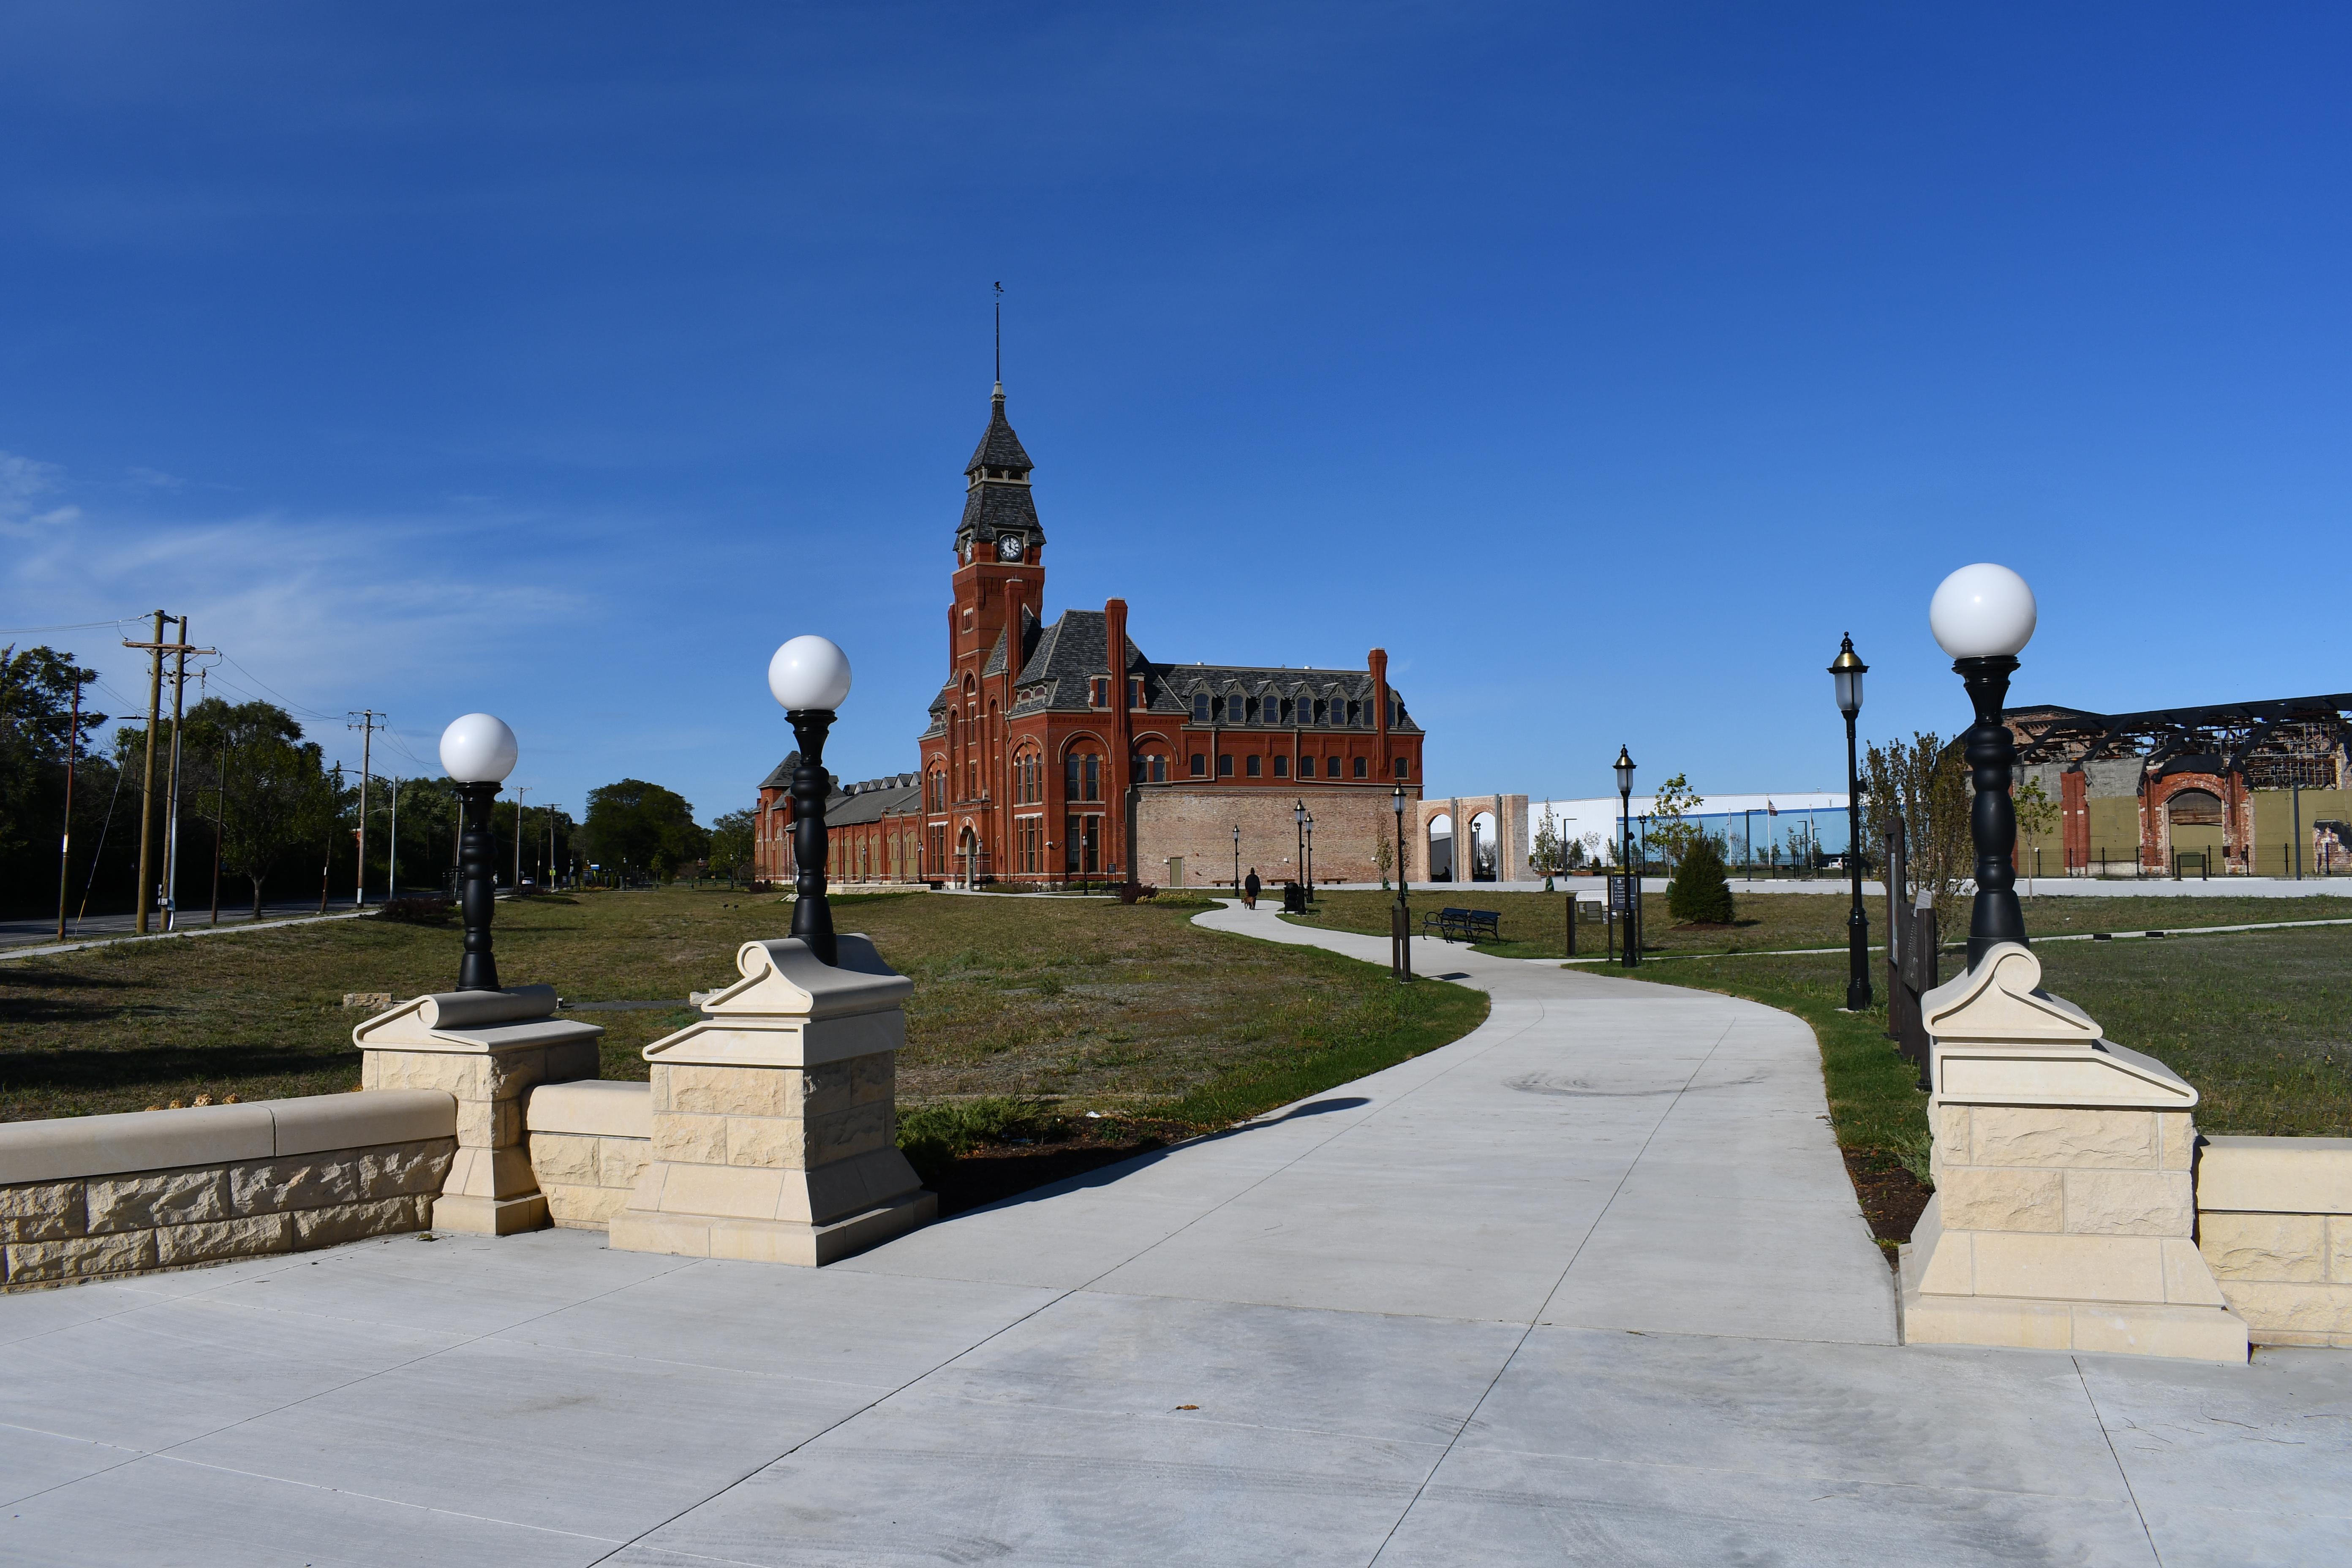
{"x":868,"y":800}
{"x":999,"y":447}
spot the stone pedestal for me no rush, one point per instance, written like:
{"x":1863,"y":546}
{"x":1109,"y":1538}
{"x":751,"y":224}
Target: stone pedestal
{"x":488,"y":1048}
{"x":774,"y":1118}
{"x":2064,"y":1215}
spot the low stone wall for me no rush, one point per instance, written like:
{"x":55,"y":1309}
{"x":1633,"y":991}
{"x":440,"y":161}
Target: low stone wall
{"x":590,"y":1140}
{"x":2274,"y":1222}
{"x":88,"y":1196}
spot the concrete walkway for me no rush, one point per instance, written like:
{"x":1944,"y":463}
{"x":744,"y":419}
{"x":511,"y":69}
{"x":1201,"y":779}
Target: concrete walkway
{"x":1587,"y":1286}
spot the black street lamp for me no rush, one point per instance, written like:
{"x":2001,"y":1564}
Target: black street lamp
{"x":1846,"y":672}
{"x":1624,"y":769}
{"x":1984,"y":616}
{"x":810,"y":677}
{"x":1310,"y":857}
{"x":477,"y":752}
{"x":1404,"y":911}
{"x":1237,"y":859}
{"x":1298,"y":818}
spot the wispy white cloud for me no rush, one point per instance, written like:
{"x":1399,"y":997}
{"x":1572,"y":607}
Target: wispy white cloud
{"x":24,"y":484}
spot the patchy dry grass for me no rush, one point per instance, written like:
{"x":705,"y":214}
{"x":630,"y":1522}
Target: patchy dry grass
{"x":1075,"y":1004}
{"x":1535,"y":924}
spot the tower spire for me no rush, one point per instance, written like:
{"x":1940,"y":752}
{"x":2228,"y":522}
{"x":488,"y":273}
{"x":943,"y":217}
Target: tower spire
{"x":1000,"y":337}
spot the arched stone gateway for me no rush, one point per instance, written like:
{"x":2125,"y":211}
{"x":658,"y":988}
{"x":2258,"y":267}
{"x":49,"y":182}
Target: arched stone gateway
{"x":1491,"y":844}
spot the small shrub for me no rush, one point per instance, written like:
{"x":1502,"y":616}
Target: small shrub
{"x":933,"y":1137}
{"x":417,"y":910}
{"x":1699,"y":893}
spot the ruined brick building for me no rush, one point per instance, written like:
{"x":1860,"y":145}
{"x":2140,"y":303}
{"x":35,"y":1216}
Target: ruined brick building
{"x":2239,"y":788}
{"x":1058,"y":751}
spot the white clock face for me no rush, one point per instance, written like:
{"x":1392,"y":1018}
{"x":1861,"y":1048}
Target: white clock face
{"x":1008,"y":548}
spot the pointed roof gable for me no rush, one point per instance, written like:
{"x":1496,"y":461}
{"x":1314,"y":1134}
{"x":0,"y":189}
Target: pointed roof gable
{"x":999,"y":447}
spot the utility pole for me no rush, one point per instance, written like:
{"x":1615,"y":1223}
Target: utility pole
{"x":367,"y":728}
{"x":220,"y":824}
{"x":65,"y":842}
{"x":327,"y":865}
{"x":520,"y":791}
{"x":147,"y":784}
{"x":171,"y":794}
{"x":155,"y":648}
{"x":392,"y":861}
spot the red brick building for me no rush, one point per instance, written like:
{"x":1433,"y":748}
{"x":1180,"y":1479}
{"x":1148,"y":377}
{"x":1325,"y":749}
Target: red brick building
{"x":1058,"y":750}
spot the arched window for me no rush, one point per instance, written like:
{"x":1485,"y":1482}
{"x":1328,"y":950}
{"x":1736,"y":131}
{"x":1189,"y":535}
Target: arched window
{"x":1082,"y":775}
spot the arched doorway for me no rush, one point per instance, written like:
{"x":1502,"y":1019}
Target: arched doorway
{"x":1441,"y":848}
{"x":1484,"y":859}
{"x":968,"y":858}
{"x":2194,"y":820}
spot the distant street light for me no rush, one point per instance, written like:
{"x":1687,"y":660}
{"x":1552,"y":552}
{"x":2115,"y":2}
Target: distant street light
{"x":810,"y":677}
{"x":1624,"y":768}
{"x":1298,"y":820}
{"x":1237,"y":859}
{"x":1846,"y":672}
{"x":477,"y":752}
{"x":1984,"y":616}
{"x":1404,"y":922}
{"x":1310,"y":857}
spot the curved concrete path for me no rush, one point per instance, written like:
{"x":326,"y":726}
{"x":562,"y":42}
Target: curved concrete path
{"x":1586,"y":1285}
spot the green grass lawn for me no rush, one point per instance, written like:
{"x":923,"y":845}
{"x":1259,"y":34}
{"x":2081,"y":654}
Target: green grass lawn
{"x":1534,"y":923}
{"x":2259,"y":1022}
{"x":1060,"y":1006}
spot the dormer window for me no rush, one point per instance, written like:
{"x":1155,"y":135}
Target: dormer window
{"x":1098,"y":692}
{"x":1200,"y":708}
{"x":1135,"y":691}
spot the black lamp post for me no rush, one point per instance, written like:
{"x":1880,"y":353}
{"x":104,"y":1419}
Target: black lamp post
{"x":1404,"y":911}
{"x":1624,"y":768}
{"x":1237,"y":859}
{"x":1298,"y":818}
{"x":1310,"y":857}
{"x":1846,"y":672}
{"x":477,"y":752}
{"x":810,"y":677}
{"x":1984,"y":616}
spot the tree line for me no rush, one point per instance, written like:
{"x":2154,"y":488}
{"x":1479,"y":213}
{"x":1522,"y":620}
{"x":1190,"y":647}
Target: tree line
{"x":264,"y":815}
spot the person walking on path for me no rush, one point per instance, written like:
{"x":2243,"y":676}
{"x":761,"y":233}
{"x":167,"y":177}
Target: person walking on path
{"x":1249,"y":889}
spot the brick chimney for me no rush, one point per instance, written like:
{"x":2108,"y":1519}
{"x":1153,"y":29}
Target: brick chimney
{"x":1377,"y":661}
{"x":1122,"y":743}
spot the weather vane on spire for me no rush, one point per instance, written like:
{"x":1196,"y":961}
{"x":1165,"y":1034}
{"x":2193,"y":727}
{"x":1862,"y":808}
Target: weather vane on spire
{"x":1000,"y":335}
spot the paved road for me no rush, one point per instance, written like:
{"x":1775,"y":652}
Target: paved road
{"x":44,"y":932}
{"x":1586,"y":1285}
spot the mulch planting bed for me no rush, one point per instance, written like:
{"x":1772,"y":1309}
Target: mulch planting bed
{"x":991,"y":1172}
{"x":1892,"y":1198}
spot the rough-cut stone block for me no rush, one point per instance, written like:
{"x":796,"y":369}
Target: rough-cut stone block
{"x":1948,"y":1125}
{"x":152,"y":1199}
{"x":301,"y":1181}
{"x":489,"y":1123}
{"x":463,"y":1076}
{"x":730,"y":1091}
{"x":2130,"y":1203}
{"x":2339,"y":1248}
{"x":2175,"y":1139}
{"x":1995,"y":1197}
{"x":354,"y":1222}
{"x":398,"y":1170}
{"x":858,"y":1131}
{"x":583,"y":1208}
{"x":2277,"y":1247}
{"x":250,"y":1237}
{"x":41,"y":1211}
{"x":690,"y":1140}
{"x":621,"y":1161}
{"x":566,"y":1157}
{"x":774,"y":1142}
{"x":2061,"y":1136}
{"x":2069,"y":1267}
{"x":122,"y":1253}
{"x":2270,"y":1305}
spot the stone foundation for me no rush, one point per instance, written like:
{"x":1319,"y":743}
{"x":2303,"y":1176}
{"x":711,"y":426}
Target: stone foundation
{"x":94,"y":1196}
{"x":590,"y":1142}
{"x":2274,"y":1223}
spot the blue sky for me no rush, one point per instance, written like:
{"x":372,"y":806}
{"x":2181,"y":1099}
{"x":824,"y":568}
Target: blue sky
{"x":1603,"y":363}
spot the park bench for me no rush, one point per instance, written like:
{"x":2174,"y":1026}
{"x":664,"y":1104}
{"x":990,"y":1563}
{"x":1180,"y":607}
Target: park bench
{"x":1466,"y":925}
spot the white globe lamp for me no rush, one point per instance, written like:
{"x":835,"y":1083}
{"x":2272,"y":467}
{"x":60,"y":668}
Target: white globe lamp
{"x":809,"y":675}
{"x":1982,"y":611}
{"x":477,"y":749}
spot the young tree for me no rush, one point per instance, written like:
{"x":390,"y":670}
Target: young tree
{"x":2037,"y":813}
{"x":1669,"y":832}
{"x":1926,"y":783}
{"x":1383,"y":856}
{"x":1700,"y":891}
{"x":1548,"y":855}
{"x":731,"y":841}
